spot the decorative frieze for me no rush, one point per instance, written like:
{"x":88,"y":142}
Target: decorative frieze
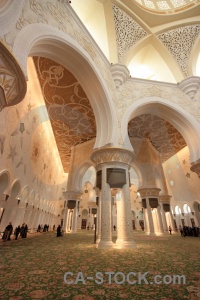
{"x":164,"y":198}
{"x":145,"y":192}
{"x":72,"y":195}
{"x":113,"y":154}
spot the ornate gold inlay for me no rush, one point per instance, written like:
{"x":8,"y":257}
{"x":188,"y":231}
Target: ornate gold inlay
{"x":69,"y":109}
{"x":112,"y":154}
{"x":149,"y":192}
{"x":166,"y":139}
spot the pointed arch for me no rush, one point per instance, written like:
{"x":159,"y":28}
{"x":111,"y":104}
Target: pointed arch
{"x":174,"y":114}
{"x":47,"y":41}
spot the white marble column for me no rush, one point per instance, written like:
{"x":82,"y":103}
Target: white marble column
{"x":124,"y":218}
{"x":146,"y":223}
{"x":172,"y":221}
{"x":150,"y":218}
{"x":161,"y":230}
{"x":164,"y":220}
{"x":74,"y":221}
{"x":105,"y":207}
{"x":98,"y":223}
{"x":65,"y":219}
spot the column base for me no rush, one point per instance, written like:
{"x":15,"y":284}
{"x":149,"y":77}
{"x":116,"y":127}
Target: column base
{"x":104,"y":245}
{"x":159,"y":233}
{"x":122,"y":244}
{"x":151,"y":233}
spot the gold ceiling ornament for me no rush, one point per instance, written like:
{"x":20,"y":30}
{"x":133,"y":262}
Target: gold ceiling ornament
{"x":112,"y":154}
{"x":12,"y":80}
{"x":69,"y":109}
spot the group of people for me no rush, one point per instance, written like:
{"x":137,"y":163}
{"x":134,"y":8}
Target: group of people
{"x":189,"y":231}
{"x":42,"y":228}
{"x":19,"y":230}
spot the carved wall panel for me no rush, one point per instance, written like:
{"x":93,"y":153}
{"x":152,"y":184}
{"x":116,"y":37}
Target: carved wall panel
{"x":179,"y":42}
{"x":128,"y":32}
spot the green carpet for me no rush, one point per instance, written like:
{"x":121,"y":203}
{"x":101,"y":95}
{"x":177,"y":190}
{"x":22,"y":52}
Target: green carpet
{"x":34,"y":268}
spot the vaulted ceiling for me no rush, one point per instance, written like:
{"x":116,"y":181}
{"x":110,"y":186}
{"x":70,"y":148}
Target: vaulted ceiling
{"x":69,"y":109}
{"x":164,"y":137}
{"x":136,"y":33}
{"x":157,"y":35}
{"x":73,"y":120}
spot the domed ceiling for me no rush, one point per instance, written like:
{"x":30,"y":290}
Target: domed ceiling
{"x":166,"y":6}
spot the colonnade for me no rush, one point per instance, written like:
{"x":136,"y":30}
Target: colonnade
{"x":19,"y":213}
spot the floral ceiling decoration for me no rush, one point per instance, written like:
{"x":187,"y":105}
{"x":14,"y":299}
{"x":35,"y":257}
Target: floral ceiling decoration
{"x":69,"y":109}
{"x":128,"y":32}
{"x":166,"y":6}
{"x":164,"y":137}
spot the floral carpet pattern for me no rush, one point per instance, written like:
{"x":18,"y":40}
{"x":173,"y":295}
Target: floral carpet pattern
{"x":34,"y":268}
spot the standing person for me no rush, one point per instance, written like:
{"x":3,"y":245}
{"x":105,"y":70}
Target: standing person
{"x":25,"y":230}
{"x":22,"y":231}
{"x":17,"y":232}
{"x":54,"y":226}
{"x":181,"y":231}
{"x":170,"y":230}
{"x":59,"y":231}
{"x":7,"y":232}
{"x":39,"y":228}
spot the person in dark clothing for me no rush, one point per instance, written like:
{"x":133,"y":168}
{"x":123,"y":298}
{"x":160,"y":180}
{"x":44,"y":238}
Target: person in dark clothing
{"x":25,"y":230}
{"x":39,"y":228}
{"x":17,"y":232}
{"x":59,"y":233}
{"x":170,"y":230}
{"x":7,"y":232}
{"x":22,"y":231}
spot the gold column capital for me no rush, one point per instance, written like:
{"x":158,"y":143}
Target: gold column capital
{"x":112,"y":154}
